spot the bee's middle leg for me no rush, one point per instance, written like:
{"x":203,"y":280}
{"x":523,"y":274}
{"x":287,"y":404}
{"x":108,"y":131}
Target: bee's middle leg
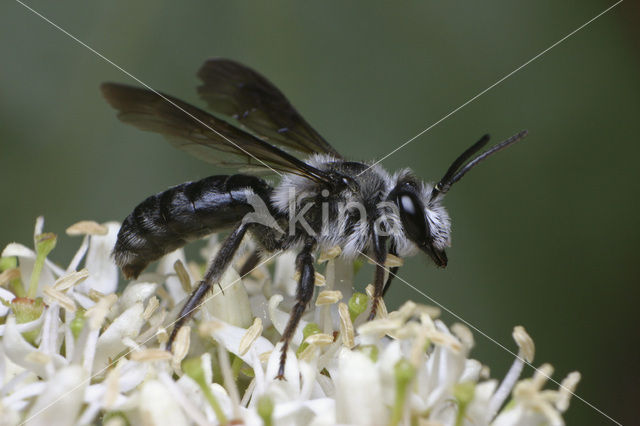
{"x":304,"y":292}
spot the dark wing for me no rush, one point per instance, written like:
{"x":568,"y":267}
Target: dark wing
{"x":238,"y":91}
{"x":201,"y":134}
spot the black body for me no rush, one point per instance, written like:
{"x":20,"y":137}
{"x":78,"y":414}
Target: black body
{"x":170,"y":219}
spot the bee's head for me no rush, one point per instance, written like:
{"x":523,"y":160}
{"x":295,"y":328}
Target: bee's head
{"x":424,"y":220}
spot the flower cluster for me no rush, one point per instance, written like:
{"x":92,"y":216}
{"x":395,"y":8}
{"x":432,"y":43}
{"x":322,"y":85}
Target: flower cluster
{"x":75,"y":350}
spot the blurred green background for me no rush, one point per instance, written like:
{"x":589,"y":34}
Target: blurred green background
{"x":545,"y":234}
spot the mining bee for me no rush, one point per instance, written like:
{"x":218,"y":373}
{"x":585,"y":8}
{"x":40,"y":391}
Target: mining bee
{"x":322,"y":200}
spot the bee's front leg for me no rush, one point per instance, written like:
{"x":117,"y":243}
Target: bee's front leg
{"x":379,"y":257}
{"x":392,"y":272}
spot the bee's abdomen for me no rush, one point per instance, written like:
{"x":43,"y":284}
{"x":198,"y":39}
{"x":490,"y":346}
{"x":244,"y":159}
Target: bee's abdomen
{"x":167,"y":221}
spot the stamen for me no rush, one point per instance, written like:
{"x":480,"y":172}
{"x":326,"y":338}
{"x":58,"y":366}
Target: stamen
{"x":320,"y":280}
{"x":525,"y":343}
{"x":526,"y":352}
{"x":346,"y":326}
{"x":463,"y":333}
{"x":98,"y":312}
{"x":183,"y":276}
{"x":150,"y":355}
{"x":87,"y":227}
{"x":328,"y":297}
{"x":74,"y":278}
{"x":566,"y":391}
{"x":250,"y":336}
{"x":152,"y":305}
{"x":319,"y":339}
{"x":64,"y":300}
{"x":181,"y":347}
{"x":329,"y":254}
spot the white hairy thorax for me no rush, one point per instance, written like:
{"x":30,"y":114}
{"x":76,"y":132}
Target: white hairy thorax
{"x":375,"y":185}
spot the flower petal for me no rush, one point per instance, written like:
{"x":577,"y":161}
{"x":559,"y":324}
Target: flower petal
{"x":359,"y":397}
{"x":61,"y":400}
{"x":103,"y":272}
{"x":22,"y":353}
{"x":159,"y":407}
{"x":232,"y":304}
{"x":231,"y":337}
{"x":110,"y":341}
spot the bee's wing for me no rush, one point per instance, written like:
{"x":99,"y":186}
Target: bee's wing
{"x":237,"y":91}
{"x":200,"y":133}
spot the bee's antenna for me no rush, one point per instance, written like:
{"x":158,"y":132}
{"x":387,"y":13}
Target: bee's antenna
{"x":456,"y":170}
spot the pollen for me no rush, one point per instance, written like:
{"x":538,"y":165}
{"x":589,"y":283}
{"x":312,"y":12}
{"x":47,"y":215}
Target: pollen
{"x":346,"y":326}
{"x":329,"y":254}
{"x":250,"y":336}
{"x":328,"y":297}
{"x":152,"y":305}
{"x":74,"y":278}
{"x":181,"y":347}
{"x":147,"y":355}
{"x":524,"y":342}
{"x":320,"y":280}
{"x":64,"y":300}
{"x":183,"y":276}
{"x":319,"y":339}
{"x":86,"y":227}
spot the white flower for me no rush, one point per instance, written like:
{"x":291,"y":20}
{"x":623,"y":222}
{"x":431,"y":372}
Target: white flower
{"x":103,"y":274}
{"x":89,"y":354}
{"x":60,"y":401}
{"x":359,"y":391}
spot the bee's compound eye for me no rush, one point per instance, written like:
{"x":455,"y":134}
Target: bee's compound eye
{"x":350,"y":183}
{"x":413,"y":218}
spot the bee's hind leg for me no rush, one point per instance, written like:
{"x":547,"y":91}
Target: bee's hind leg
{"x":219,"y":264}
{"x":304,"y":292}
{"x":250,"y":263}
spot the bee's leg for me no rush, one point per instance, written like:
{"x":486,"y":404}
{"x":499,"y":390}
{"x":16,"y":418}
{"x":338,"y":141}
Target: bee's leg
{"x":304,"y":292}
{"x":219,"y":264}
{"x":380,"y":256}
{"x":392,"y":272}
{"x":250,"y":263}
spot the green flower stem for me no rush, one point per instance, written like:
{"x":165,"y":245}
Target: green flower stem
{"x":265,"y":410}
{"x":404,"y":372}
{"x":236,"y":366}
{"x":17,"y":288}
{"x":463,"y":392}
{"x":44,"y":244}
{"x":193,"y":368}
{"x":8,"y":262}
{"x":11,"y":262}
